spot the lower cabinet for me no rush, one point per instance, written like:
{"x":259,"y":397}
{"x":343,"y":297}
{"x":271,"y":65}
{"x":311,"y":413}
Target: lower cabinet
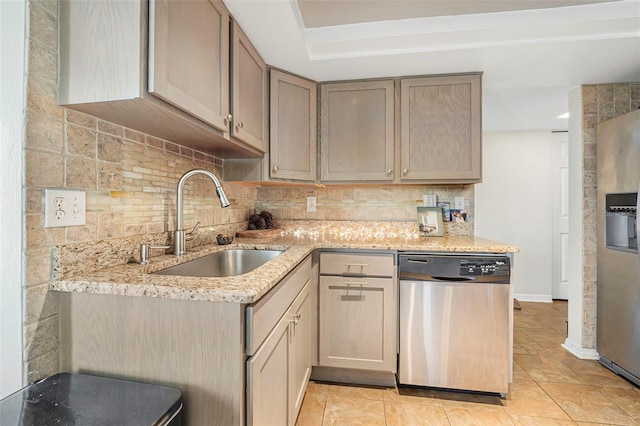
{"x":267,"y":379}
{"x":300,"y":349}
{"x":278,"y":372}
{"x":357,"y":323}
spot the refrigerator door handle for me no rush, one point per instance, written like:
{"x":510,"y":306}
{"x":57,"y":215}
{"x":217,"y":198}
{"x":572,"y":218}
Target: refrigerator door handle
{"x":638,"y":221}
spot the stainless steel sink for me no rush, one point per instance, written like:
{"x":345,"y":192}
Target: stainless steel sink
{"x":225,"y":263}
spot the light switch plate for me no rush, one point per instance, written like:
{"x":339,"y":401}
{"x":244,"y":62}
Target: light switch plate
{"x":311,"y":204}
{"x":429,"y":200}
{"x":458,"y":203}
{"x":64,"y":207}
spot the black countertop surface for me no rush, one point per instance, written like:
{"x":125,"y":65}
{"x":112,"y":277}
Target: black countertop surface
{"x":81,"y":399}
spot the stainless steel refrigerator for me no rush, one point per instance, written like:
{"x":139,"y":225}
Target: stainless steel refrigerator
{"x":618,"y":152}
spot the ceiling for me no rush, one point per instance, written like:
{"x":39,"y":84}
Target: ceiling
{"x":532,"y":53}
{"x":327,"y":13}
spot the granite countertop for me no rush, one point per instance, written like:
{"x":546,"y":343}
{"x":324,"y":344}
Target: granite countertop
{"x":136,"y":280}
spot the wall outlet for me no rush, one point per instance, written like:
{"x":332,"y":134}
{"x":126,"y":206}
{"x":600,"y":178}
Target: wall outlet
{"x":311,"y":204}
{"x":63,"y":207}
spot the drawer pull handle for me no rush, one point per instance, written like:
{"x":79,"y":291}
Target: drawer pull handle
{"x":351,"y":298}
{"x":355,"y":265}
{"x":358,"y":297}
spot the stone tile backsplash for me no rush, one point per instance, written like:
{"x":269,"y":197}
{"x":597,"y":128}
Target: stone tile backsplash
{"x":378,"y":203}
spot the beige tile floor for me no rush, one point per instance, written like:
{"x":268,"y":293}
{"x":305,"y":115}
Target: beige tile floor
{"x":550,"y":387}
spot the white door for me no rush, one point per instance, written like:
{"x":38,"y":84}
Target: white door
{"x":560,"y":288}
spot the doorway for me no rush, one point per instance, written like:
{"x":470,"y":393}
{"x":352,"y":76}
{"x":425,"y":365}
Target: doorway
{"x":560,"y":227}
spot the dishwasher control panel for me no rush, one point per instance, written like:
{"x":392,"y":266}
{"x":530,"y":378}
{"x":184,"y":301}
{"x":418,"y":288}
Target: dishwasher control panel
{"x":476,"y":268}
{"x":479,"y":267}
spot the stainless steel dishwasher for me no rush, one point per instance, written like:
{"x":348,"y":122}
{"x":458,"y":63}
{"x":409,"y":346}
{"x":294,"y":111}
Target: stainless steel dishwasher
{"x":454,"y":321}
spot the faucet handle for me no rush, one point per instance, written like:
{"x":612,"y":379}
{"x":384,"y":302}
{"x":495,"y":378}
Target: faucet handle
{"x":144,"y":252}
{"x":190,"y":234}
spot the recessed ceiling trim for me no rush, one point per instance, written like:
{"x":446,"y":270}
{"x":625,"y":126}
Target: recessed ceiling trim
{"x":317,"y":53}
{"x":587,"y":14}
{"x":327,"y":13}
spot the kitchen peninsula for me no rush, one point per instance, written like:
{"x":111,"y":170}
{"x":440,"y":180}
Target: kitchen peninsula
{"x":192,"y":333}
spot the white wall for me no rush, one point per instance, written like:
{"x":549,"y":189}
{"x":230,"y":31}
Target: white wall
{"x":573,"y":343}
{"x":514,"y":205}
{"x":504,"y":110}
{"x":12,"y":84}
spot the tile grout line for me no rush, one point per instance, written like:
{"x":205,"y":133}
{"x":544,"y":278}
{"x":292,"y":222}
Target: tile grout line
{"x":555,"y":402}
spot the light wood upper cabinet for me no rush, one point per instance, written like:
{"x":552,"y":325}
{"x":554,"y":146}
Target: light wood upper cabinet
{"x":357,"y":131}
{"x":250,"y":92}
{"x":293,"y":109}
{"x":293,"y":149}
{"x":440,"y":128}
{"x":189,"y":57}
{"x":160,"y":67}
{"x":438,"y":140}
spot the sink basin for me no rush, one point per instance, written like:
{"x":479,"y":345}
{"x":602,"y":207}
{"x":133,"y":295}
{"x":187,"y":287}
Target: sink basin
{"x":225,"y":263}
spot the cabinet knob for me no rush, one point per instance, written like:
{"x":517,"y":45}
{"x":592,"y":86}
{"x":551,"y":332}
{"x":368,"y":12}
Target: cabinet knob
{"x":389,"y":172}
{"x":228,"y":119}
{"x":275,"y":169}
{"x":240,"y":125}
{"x":405,"y":171}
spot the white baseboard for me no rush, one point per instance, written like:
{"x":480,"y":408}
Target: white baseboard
{"x":580,"y":352}
{"x":542,"y":298}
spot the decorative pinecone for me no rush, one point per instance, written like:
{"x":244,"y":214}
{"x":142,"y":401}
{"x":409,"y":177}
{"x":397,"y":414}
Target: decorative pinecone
{"x":252,"y":226}
{"x":224,"y":239}
{"x":268,"y":219}
{"x":257,"y":221}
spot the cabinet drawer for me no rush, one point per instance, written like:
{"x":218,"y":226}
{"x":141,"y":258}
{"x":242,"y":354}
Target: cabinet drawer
{"x":262,"y":316}
{"x":379,"y":265}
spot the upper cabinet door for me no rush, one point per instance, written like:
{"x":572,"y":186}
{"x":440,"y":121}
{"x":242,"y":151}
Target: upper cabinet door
{"x":441,"y":128}
{"x":356,"y":131}
{"x":189,"y":57}
{"x":293,"y":112}
{"x":250,"y":92}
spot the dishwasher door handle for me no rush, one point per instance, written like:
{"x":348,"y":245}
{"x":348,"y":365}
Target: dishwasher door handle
{"x":432,"y":278}
{"x":453,"y":279}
